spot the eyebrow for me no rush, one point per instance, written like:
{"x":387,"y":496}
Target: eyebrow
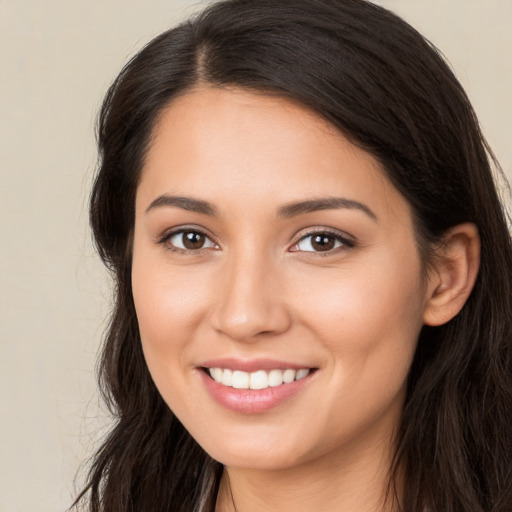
{"x":327,"y":203}
{"x":185,"y":203}
{"x":287,"y":211}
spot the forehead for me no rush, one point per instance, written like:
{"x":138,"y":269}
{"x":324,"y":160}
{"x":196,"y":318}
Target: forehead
{"x":233,"y":144}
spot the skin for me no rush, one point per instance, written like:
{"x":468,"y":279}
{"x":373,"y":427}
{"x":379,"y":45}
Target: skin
{"x":258,"y":289}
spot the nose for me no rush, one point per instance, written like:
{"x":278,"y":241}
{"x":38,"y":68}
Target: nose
{"x":251,"y":301}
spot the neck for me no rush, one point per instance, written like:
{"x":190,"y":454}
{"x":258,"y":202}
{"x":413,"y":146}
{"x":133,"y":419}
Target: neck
{"x":352,"y":481}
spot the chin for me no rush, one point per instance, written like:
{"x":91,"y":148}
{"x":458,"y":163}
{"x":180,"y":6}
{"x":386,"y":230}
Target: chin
{"x":255,"y":452}
{"x":255,"y":460}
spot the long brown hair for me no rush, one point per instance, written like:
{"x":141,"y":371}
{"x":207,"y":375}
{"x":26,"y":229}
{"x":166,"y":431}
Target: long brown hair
{"x":386,"y":88}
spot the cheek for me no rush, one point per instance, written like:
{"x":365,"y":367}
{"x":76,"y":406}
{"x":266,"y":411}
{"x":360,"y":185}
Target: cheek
{"x":167,"y":296}
{"x":168,"y":306}
{"x":368,"y":324}
{"x":358,"y":301}
{"x":368,"y":319}
{"x":169,"y":302}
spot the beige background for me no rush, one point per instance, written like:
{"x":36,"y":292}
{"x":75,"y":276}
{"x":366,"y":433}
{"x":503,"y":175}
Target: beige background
{"x":57,"y":58}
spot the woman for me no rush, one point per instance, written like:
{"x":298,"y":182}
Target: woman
{"x":313,"y":306}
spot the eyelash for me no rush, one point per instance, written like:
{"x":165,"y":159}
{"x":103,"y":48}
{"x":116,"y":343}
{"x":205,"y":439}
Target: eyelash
{"x":346,"y":242}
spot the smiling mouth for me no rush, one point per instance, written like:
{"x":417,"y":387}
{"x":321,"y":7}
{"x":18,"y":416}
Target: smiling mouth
{"x":260,"y":379}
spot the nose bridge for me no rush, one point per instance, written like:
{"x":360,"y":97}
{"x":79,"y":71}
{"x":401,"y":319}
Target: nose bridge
{"x":250,"y":302}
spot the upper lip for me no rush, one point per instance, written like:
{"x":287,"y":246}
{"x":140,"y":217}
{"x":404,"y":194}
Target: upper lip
{"x":252,"y":365}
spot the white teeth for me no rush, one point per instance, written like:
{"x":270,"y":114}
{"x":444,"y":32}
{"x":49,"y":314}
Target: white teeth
{"x":216,"y":373}
{"x":227,"y":377}
{"x":275,"y":378}
{"x":240,"y":380}
{"x":301,"y":374}
{"x":260,"y":379}
{"x":289,"y":376}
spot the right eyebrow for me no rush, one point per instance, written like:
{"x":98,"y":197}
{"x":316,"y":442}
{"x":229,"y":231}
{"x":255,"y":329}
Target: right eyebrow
{"x":185,"y":203}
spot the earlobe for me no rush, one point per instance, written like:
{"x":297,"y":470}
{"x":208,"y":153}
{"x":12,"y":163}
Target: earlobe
{"x":453,"y":274}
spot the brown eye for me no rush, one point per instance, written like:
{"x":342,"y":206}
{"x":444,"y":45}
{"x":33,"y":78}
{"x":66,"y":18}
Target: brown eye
{"x":193,"y":240}
{"x":189,"y":240}
{"x":322,"y":241}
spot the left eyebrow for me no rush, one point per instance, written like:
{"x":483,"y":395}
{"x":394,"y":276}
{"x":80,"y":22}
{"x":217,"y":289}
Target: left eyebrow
{"x":328,"y":203}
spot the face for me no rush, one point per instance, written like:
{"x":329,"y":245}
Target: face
{"x":276,"y":279}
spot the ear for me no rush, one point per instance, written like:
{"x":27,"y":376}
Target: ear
{"x":453,"y":274}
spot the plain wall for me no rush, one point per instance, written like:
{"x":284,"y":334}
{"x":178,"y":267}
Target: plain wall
{"x":57,"y":58}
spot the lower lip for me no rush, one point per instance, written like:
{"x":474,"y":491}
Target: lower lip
{"x":252,"y":401}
